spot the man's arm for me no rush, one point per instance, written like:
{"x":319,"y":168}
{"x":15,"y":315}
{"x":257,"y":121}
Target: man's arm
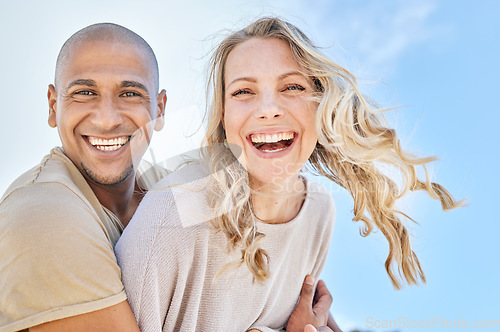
{"x":115,"y":318}
{"x":56,"y":262}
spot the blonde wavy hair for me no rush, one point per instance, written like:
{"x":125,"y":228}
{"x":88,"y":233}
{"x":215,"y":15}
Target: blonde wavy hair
{"x":352,"y":144}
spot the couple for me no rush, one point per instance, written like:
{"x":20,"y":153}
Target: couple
{"x":223,"y":243}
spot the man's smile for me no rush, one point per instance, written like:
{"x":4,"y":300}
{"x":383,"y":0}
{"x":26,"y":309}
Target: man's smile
{"x":104,"y":144}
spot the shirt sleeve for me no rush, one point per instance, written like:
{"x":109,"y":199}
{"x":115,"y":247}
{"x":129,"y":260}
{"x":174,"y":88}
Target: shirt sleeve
{"x":55,"y":259}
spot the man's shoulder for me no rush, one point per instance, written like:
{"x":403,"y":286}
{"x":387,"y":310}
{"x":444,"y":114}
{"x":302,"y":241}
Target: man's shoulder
{"x":52,"y":241}
{"x":46,"y":194}
{"x":55,"y":167}
{"x":53,"y":237}
{"x":43,"y":199}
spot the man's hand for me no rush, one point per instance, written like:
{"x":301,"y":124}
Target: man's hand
{"x":310,"y":328}
{"x":313,"y":307}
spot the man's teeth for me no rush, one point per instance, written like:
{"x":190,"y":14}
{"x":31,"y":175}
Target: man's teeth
{"x":266,"y":138}
{"x":108,"y":144}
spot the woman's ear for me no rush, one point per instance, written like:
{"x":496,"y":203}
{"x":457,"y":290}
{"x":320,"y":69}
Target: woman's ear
{"x":222,"y":120}
{"x":52,"y":99}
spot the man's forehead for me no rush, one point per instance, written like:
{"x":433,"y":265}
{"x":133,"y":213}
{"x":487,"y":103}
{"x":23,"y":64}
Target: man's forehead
{"x":103,"y":48}
{"x":91,"y":58}
{"x":103,"y":44}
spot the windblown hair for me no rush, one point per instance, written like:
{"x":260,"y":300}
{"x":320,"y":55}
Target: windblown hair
{"x":352,"y":145}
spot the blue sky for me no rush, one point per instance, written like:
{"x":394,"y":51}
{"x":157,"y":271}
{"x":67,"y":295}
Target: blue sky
{"x":437,"y":60}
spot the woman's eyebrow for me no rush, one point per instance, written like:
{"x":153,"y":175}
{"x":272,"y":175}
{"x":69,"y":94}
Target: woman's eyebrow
{"x":281,"y":77}
{"x":291,"y":73}
{"x":246,"y":79}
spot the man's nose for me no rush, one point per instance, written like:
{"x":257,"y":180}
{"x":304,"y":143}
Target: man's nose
{"x":268,"y":107}
{"x":107,"y":115}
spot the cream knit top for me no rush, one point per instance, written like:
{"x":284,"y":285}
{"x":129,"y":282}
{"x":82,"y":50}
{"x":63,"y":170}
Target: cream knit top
{"x":169,"y":254}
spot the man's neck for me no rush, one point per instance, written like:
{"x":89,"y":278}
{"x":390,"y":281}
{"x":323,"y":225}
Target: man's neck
{"x":122,"y":199}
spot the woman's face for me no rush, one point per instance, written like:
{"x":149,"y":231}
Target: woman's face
{"x":268,"y":110}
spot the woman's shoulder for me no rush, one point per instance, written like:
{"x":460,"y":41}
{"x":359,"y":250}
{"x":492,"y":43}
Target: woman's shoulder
{"x":193,"y":172}
{"x":179,"y":199}
{"x":319,"y":202}
{"x":318,"y":192}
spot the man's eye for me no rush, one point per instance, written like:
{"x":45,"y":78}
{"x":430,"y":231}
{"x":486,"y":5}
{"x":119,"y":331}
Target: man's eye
{"x":84,"y":93}
{"x":130,"y":94}
{"x":240,"y":92}
{"x":294,"y":87}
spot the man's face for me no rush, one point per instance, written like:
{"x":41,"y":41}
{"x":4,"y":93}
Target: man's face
{"x":104,"y":106}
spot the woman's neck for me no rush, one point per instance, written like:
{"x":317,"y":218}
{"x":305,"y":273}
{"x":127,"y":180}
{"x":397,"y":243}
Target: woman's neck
{"x":277,"y":203}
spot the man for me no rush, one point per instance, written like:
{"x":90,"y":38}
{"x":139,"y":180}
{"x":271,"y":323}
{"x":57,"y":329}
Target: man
{"x":60,"y":220}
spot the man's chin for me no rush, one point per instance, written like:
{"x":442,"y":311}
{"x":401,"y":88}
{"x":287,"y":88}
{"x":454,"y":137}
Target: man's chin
{"x":108,"y":180}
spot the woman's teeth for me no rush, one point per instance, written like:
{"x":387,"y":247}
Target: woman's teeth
{"x":271,"y":138}
{"x":276,"y":150}
{"x":272,"y":142}
{"x":108,"y":144}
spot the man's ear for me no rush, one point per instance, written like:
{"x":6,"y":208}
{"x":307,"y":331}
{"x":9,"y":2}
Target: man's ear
{"x":52,"y":98}
{"x":160,"y":110}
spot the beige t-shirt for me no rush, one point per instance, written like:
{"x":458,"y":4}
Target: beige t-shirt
{"x":169,"y":254}
{"x":56,"y":247}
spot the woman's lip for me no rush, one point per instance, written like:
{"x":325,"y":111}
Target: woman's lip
{"x":270,"y":131}
{"x":271,"y":137}
{"x":272,"y":154}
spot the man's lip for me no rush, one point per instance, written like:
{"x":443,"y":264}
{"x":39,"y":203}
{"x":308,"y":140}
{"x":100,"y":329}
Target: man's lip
{"x":107,"y":144}
{"x":99,"y":140}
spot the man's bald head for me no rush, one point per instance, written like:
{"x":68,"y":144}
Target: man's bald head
{"x":106,"y":32}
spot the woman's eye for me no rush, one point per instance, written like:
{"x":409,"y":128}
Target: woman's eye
{"x":240,"y":92}
{"x":294,"y":87}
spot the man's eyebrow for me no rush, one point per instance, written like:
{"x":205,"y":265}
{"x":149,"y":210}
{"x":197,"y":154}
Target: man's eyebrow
{"x":133,"y":84}
{"x":89,"y":83}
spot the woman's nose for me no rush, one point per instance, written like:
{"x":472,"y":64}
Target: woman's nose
{"x":268,"y":107}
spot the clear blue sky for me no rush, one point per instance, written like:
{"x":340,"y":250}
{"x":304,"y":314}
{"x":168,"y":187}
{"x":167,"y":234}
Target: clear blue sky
{"x":436,"y":59}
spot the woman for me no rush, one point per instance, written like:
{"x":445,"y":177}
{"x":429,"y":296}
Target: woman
{"x":224,"y":243}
